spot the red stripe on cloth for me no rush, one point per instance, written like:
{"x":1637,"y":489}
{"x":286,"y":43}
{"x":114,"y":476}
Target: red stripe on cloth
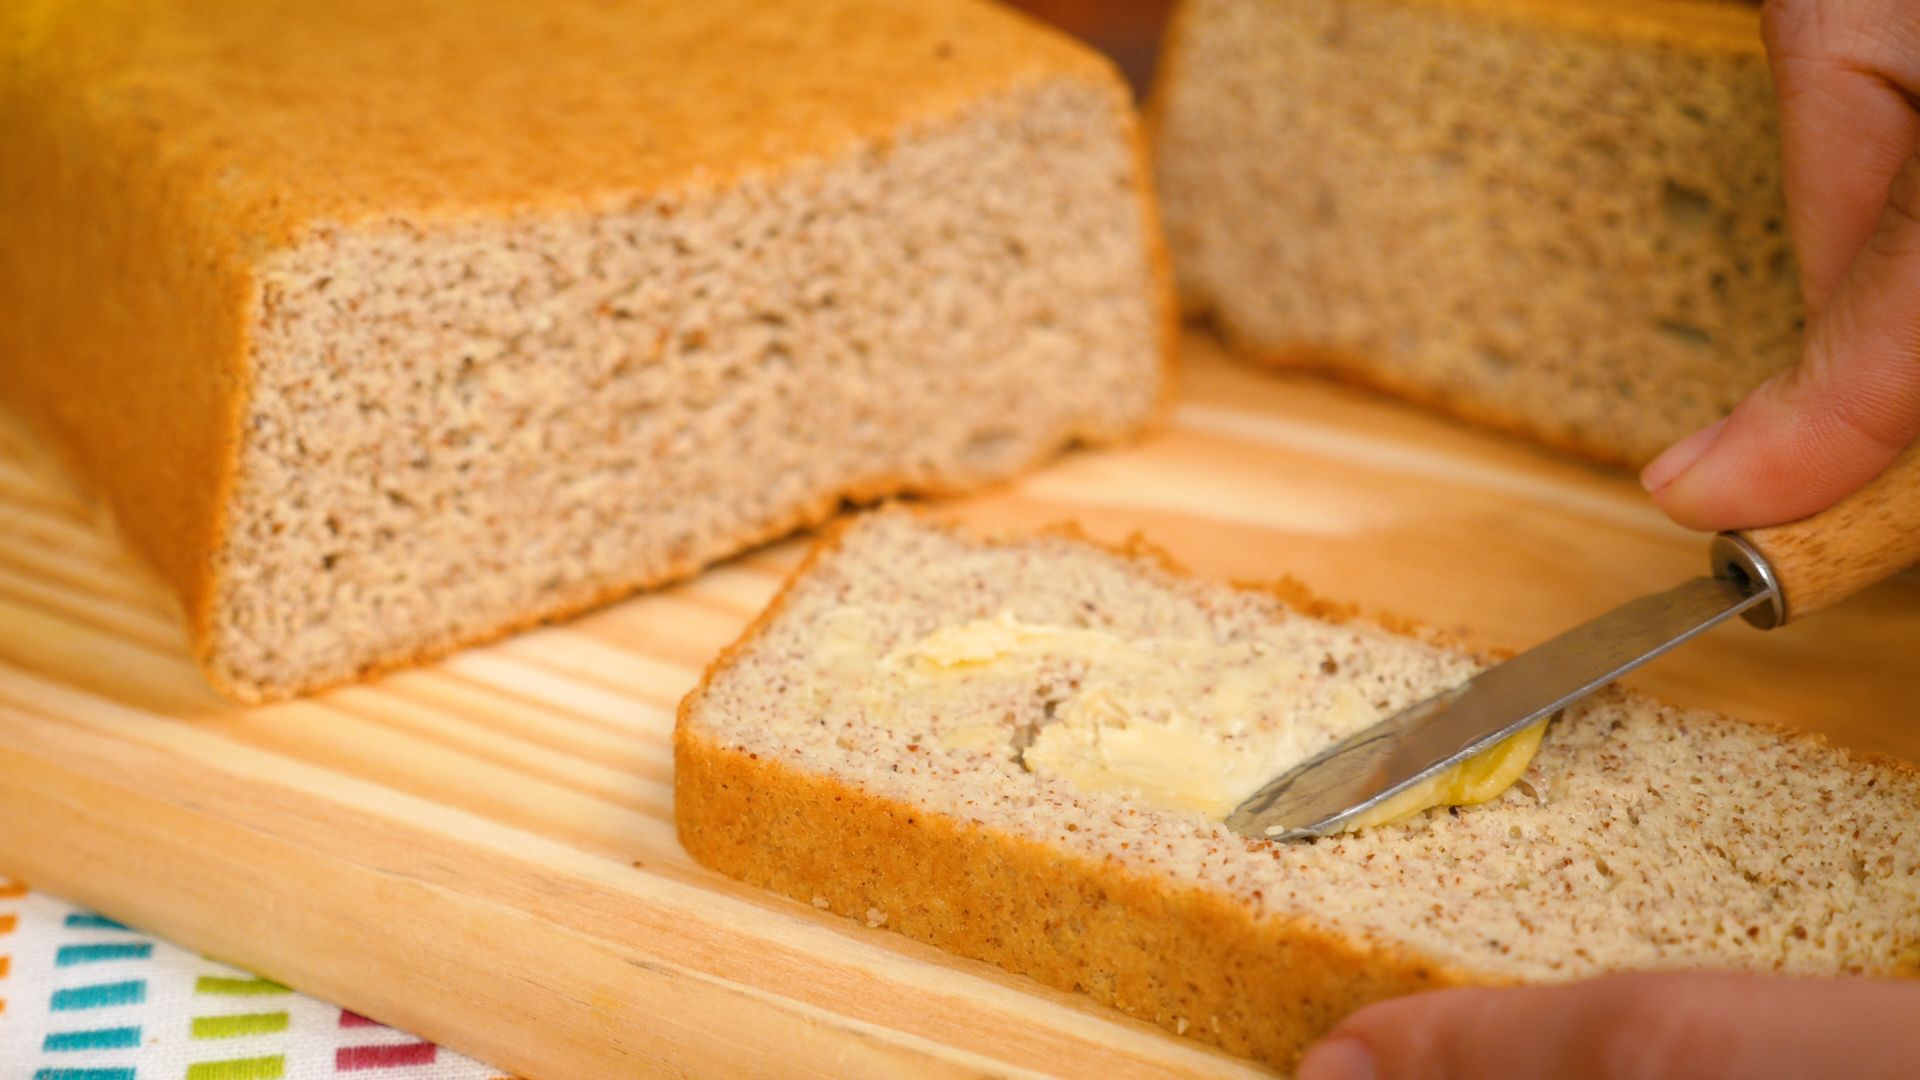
{"x":356,"y":1058}
{"x":349,"y":1018}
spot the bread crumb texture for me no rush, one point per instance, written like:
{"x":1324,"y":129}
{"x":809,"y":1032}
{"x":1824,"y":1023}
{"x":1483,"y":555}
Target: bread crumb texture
{"x":1564,"y":219}
{"x":1641,"y":837}
{"x":383,"y":334}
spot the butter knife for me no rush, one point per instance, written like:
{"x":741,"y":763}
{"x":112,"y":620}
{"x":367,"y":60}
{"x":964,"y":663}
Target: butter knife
{"x":1771,"y":576}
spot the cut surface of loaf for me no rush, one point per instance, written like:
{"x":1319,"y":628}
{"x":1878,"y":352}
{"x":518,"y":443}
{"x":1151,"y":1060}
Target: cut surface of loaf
{"x":1564,"y":219}
{"x":385,"y":334}
{"x":845,"y":752}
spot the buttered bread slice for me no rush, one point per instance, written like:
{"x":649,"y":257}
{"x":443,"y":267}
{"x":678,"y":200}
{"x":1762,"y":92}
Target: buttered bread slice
{"x":1020,"y":751}
{"x":388,"y":328}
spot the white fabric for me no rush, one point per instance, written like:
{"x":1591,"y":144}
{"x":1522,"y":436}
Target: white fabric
{"x":87,"y":999}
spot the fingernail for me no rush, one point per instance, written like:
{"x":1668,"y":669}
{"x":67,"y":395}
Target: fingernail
{"x":1338,"y":1059}
{"x":1680,"y":457}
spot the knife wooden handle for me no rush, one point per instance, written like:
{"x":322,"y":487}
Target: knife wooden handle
{"x":1872,"y":534}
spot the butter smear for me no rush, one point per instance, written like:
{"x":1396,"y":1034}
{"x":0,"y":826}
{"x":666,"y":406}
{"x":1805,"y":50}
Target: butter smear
{"x":1168,"y":721}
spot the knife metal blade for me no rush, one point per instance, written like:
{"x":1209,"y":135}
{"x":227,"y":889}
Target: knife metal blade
{"x":1322,"y":794}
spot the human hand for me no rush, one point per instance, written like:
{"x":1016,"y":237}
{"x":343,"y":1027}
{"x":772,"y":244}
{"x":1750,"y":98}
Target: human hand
{"x":1848,"y":77}
{"x":1676,"y":1026}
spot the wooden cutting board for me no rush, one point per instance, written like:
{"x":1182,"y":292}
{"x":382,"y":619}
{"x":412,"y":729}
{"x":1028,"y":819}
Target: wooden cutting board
{"x":482,"y":851}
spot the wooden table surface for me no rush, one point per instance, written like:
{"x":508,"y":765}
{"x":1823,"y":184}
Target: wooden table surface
{"x":481,"y":851}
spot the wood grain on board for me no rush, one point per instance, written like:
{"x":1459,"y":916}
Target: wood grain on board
{"x":481,"y":851}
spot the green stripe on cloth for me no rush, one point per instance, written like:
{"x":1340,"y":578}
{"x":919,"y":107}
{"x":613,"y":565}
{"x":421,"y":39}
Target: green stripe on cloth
{"x":232,"y":1027}
{"x":216,"y":984}
{"x":260,"y":1068}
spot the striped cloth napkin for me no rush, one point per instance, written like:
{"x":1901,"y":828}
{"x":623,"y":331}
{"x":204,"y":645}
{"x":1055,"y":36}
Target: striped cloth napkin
{"x":85,"y":998}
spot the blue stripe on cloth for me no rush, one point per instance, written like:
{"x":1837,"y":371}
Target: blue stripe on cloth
{"x":100,"y":995}
{"x":114,"y":1038}
{"x":95,"y":952}
{"x":97,"y":922}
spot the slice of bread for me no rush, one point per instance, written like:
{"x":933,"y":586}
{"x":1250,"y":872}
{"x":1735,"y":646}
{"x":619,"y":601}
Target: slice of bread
{"x":821,"y":758}
{"x":386,"y":332}
{"x":1560,"y":218}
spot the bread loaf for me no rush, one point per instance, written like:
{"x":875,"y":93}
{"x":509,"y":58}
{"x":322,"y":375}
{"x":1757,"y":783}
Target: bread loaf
{"x":856,"y":751}
{"x":1560,"y":218}
{"x":385,"y":330}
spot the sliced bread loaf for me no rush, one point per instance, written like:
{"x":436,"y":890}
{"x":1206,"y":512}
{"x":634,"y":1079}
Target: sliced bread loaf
{"x":384,"y":331}
{"x":874,"y":745}
{"x":1561,"y":218}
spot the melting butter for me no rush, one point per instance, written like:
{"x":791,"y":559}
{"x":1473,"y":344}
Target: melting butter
{"x":1478,"y":779}
{"x":1175,"y":764}
{"x":1167,"y":721}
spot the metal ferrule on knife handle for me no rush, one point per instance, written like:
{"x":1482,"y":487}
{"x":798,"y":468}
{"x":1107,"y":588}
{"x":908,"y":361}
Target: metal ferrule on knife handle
{"x":1823,"y":559}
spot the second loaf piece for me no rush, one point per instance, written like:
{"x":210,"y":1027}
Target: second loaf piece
{"x":1563,"y":219}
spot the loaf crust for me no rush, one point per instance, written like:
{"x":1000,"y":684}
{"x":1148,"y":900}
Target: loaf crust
{"x":168,"y":160}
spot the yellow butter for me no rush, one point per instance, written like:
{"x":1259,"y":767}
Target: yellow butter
{"x":1095,"y":746}
{"x":1481,"y":777}
{"x":1165,"y":720}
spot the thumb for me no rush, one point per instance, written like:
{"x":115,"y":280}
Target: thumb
{"x":1808,"y":437}
{"x":1673,"y":1026}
